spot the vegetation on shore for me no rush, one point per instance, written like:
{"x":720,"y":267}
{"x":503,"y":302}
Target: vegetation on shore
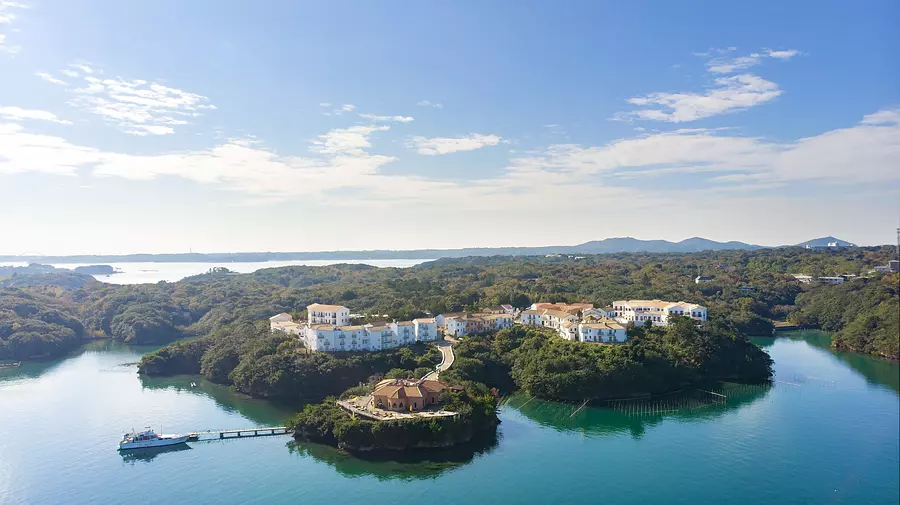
{"x":203,"y":305}
{"x":326,"y":423}
{"x":864,"y":315}
{"x":653,"y":361}
{"x":33,"y":325}
{"x":275,"y":365}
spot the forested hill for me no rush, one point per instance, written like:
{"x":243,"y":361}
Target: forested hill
{"x":749,"y":289}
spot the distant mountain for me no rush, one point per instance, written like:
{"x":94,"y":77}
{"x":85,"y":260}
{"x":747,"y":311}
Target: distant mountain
{"x":628,"y":244}
{"x":825,"y":242}
{"x":606,"y":246}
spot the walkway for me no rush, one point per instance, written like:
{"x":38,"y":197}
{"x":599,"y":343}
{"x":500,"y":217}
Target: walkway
{"x":447,"y":358}
{"x":363,"y":407}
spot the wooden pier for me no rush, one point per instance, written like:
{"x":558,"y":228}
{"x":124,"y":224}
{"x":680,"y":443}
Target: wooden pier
{"x":248,"y":432}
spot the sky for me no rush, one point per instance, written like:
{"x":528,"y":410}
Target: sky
{"x":225,"y":125}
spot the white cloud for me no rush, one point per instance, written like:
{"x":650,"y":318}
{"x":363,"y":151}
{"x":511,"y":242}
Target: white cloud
{"x":84,"y":68}
{"x":28,"y":152}
{"x":18,"y":114}
{"x":866,"y":152}
{"x":730,"y":94}
{"x":69,"y":73}
{"x":716,"y":162}
{"x":446,"y":145}
{"x":346,"y":140}
{"x":724,"y":65}
{"x":383,"y":119}
{"x":137,"y":107}
{"x":427,"y":103}
{"x":49,"y":78}
{"x":324,"y":104}
{"x":7,"y":18}
{"x":727,"y":66}
{"x":782,"y":55}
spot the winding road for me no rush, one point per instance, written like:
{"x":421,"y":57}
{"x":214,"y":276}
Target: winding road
{"x":446,"y":349}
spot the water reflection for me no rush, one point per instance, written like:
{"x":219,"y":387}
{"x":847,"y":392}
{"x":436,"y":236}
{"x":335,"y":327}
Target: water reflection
{"x":600,"y":421}
{"x":428,"y":464}
{"x":261,"y":412}
{"x":148,"y":454}
{"x":876,"y":371}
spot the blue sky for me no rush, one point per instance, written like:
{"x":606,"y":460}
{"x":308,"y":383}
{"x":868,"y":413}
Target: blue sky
{"x":236,"y":126}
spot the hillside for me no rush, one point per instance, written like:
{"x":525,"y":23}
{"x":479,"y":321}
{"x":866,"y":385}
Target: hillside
{"x":824,"y":241}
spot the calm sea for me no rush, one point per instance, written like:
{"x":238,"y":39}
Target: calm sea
{"x":827,"y":432}
{"x":139,"y":273}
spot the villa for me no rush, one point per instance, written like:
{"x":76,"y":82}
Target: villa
{"x":602,"y":330}
{"x":530,"y":317}
{"x":406,"y":395}
{"x":655,"y":311}
{"x":328,"y":336}
{"x":579,"y":322}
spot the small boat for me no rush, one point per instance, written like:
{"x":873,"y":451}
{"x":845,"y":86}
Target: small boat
{"x":148,"y":438}
{"x":15,"y":364}
{"x":193,"y":384}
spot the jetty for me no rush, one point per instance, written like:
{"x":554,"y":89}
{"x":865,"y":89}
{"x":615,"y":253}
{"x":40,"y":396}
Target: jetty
{"x":195,"y":436}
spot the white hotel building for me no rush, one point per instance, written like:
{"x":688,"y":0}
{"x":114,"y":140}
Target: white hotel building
{"x":655,"y":311}
{"x":323,"y":333}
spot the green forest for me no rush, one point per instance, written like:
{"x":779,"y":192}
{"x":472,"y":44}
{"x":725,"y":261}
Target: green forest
{"x":750,"y":289}
{"x":475,"y":405}
{"x":275,"y":365}
{"x":653,"y":361}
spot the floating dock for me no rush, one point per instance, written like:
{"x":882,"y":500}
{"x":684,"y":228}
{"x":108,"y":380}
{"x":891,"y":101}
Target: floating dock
{"x":244,"y":433}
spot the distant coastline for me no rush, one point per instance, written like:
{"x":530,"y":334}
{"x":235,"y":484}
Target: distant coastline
{"x":605,"y":246}
{"x":610,"y":245}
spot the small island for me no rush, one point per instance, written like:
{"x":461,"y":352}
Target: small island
{"x":96,"y":270}
{"x":401,"y":415}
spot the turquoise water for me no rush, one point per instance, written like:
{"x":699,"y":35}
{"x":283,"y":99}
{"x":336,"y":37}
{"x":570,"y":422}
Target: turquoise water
{"x":827,"y":432}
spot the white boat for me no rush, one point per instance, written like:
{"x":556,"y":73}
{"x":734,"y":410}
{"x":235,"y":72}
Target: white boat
{"x":148,"y":438}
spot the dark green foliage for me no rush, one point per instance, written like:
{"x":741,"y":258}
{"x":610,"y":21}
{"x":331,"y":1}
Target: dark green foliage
{"x":865,"y":314}
{"x":327,"y":423}
{"x":275,"y":365}
{"x":653,"y":361}
{"x":34,"y":325}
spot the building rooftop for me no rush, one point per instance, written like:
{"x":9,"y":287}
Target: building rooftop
{"x":280,"y":316}
{"x":425,"y":320}
{"x":403,"y":388}
{"x":404,"y":323}
{"x":326,"y":308}
{"x":656,"y":304}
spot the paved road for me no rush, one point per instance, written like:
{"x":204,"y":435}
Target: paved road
{"x":446,"y":349}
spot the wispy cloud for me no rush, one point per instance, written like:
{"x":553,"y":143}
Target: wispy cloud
{"x":428,"y":103}
{"x":49,"y":78}
{"x":338,"y":111}
{"x":445,"y":145}
{"x":341,"y":159}
{"x":18,"y":114}
{"x":727,"y":94}
{"x":726,"y":65}
{"x":136,"y":107}
{"x":871,"y":148}
{"x":7,"y":17}
{"x":387,"y":119}
{"x":730,"y":94}
{"x":782,"y":55}
{"x":351,"y":140}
